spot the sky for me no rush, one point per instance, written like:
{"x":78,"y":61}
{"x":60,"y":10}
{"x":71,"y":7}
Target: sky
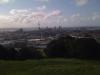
{"x":51,"y":13}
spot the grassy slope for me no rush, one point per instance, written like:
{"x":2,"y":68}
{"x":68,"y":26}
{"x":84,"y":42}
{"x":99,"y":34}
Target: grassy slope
{"x":50,"y":67}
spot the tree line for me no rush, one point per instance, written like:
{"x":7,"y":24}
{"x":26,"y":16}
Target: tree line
{"x":62,"y":47}
{"x":19,"y":54}
{"x":73,"y":47}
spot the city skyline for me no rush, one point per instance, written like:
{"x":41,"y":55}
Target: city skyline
{"x":67,"y":13}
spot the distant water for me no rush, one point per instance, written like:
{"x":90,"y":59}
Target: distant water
{"x":14,"y":29}
{"x":36,"y":28}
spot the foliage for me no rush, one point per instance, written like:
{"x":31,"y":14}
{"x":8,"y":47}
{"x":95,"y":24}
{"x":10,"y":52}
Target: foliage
{"x":19,"y":54}
{"x":74,"y":47}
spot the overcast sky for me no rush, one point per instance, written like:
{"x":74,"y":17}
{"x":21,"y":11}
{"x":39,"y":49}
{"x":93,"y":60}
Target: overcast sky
{"x":69,"y":13}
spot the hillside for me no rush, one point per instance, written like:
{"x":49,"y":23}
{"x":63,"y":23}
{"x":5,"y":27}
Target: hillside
{"x":50,"y":67}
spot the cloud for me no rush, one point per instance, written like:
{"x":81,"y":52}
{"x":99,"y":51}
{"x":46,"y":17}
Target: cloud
{"x":14,"y":11}
{"x":4,"y":1}
{"x":81,"y":2}
{"x":41,"y":8}
{"x":30,"y":18}
{"x":96,"y":16}
{"x":53,"y":13}
{"x":34,"y":14}
{"x":42,"y":0}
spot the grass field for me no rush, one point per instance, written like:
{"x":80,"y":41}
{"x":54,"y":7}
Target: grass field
{"x":50,"y":67}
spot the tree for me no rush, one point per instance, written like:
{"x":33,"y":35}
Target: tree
{"x":29,"y":53}
{"x":74,"y":47}
{"x":3,"y":52}
{"x":60,"y":47}
{"x":87,"y":48}
{"x":13,"y":54}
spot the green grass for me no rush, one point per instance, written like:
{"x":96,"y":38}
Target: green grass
{"x":50,"y":67}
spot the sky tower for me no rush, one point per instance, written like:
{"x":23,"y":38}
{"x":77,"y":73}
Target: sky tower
{"x":40,"y":32}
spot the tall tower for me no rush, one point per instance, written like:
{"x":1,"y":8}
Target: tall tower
{"x":39,"y":28}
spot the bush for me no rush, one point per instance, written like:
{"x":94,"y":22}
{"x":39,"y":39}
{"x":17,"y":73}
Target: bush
{"x":72,"y":47}
{"x":21,"y":54}
{"x":29,"y":53}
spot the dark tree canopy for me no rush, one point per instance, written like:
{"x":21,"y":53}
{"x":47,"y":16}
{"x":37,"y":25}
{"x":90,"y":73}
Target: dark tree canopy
{"x":74,"y":47}
{"x":29,"y":53}
{"x":21,"y":54}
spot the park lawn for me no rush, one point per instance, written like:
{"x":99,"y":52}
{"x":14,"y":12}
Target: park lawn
{"x":50,"y":67}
